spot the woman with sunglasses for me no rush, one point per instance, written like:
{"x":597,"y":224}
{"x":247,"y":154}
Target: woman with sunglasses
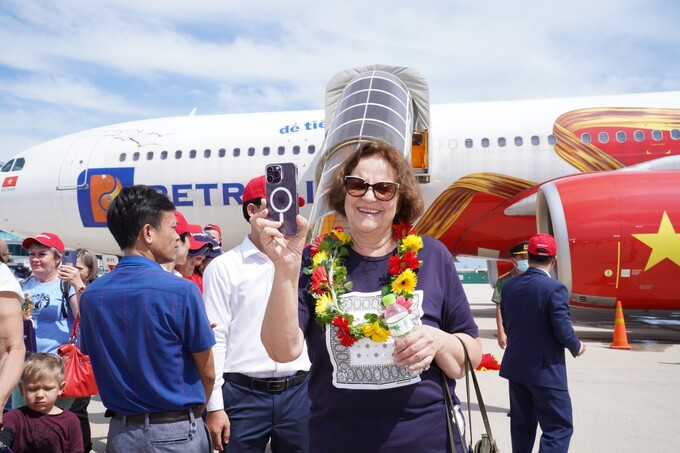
{"x":369,"y":391}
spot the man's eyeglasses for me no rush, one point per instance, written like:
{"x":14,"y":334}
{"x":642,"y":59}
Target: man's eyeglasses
{"x":383,"y":190}
{"x":8,"y":255}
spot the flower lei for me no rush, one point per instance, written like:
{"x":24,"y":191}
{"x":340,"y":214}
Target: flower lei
{"x":329,"y":281}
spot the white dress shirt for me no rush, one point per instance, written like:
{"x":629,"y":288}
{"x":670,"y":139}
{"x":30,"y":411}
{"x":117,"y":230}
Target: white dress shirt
{"x":236,"y":288}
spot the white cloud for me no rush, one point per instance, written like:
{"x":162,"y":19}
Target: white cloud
{"x":130,"y":59}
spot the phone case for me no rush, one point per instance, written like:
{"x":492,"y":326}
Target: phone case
{"x":69,"y":258}
{"x":282,"y":198}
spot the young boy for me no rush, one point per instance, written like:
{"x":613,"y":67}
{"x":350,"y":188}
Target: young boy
{"x":41,"y":426}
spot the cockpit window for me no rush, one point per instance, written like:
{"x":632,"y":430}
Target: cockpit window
{"x":8,"y":166}
{"x":19,"y":164}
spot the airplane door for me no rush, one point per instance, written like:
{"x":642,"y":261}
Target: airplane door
{"x":75,"y":162}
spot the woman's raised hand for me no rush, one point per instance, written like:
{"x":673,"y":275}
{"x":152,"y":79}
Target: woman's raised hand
{"x":71,"y":275}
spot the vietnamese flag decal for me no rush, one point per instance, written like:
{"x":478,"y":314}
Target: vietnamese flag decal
{"x":10,"y":181}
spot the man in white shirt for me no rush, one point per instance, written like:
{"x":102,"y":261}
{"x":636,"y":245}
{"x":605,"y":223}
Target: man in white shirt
{"x":255,"y":400}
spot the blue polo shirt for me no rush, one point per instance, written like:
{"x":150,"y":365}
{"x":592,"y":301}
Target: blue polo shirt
{"x":139,"y":325}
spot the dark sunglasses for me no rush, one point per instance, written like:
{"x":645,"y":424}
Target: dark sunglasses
{"x":383,"y":190}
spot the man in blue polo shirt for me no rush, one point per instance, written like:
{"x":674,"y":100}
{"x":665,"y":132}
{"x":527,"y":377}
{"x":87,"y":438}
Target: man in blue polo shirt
{"x":147,"y":334}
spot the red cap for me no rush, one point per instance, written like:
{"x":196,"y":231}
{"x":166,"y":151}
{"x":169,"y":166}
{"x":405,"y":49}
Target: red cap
{"x":255,"y":190}
{"x":212,"y":226}
{"x":185,"y":227}
{"x":542,"y":245}
{"x":46,"y":239}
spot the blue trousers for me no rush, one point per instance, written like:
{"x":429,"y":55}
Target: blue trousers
{"x":178,"y":437}
{"x":531,"y":405}
{"x":258,"y":417}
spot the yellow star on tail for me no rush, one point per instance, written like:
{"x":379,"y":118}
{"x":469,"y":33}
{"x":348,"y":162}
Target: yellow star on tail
{"x":664,"y":244}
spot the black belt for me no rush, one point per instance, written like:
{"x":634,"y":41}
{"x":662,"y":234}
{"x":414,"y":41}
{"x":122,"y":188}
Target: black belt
{"x":269,"y":384}
{"x":157,"y":418}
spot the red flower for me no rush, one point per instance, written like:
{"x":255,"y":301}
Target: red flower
{"x":398,"y":265}
{"x":315,"y":245}
{"x":343,"y":333}
{"x":319,"y":283}
{"x":401,"y":230}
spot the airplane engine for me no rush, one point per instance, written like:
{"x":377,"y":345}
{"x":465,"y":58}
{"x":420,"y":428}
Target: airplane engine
{"x":618,"y":237}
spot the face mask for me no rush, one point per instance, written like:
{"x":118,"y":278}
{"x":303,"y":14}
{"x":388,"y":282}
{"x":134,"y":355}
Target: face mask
{"x":522,"y":265}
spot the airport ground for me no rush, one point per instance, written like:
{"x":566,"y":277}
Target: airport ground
{"x":624,"y":401}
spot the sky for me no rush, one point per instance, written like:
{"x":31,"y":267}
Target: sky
{"x":72,"y":65}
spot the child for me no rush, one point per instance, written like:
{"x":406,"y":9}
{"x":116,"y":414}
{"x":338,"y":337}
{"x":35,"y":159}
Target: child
{"x":40,"y":426}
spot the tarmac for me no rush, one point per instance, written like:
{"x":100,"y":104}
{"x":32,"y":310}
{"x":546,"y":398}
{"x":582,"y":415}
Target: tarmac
{"x":623,"y":400}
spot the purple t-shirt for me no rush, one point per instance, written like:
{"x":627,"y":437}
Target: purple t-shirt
{"x":404,"y":418}
{"x":36,"y":432}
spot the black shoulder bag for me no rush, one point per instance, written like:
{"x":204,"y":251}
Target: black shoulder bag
{"x":486,"y":444}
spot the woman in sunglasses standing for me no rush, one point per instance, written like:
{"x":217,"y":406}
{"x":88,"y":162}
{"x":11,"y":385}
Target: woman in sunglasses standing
{"x":372,"y":388}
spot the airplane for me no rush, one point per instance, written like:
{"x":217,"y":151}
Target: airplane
{"x":599,"y":173}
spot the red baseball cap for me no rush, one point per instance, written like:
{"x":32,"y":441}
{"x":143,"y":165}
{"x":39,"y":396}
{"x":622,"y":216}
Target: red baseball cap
{"x":185,"y":227}
{"x":46,"y":239}
{"x":212,"y":226}
{"x":542,"y":245}
{"x":255,"y":190}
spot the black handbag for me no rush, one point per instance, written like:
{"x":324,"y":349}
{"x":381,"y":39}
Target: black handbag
{"x":486,"y":444}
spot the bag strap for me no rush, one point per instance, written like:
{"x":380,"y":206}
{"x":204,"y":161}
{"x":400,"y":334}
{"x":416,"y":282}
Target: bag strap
{"x":74,"y":331}
{"x":478,"y":391}
{"x":451,"y":420}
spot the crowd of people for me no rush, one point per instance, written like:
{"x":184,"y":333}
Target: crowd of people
{"x":276,"y":342}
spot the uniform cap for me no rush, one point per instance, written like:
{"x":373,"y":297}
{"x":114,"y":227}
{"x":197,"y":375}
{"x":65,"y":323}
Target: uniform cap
{"x":517,"y":249}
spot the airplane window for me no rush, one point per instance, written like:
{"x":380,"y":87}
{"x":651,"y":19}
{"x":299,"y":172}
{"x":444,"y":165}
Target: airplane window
{"x":518,"y":141}
{"x":237,"y":152}
{"x":8,"y":166}
{"x":311,"y":149}
{"x":206,"y":153}
{"x":296,"y":149}
{"x":585,"y":138}
{"x":675,"y":134}
{"x":501,"y":141}
{"x":121,"y":158}
{"x":178,"y":154}
{"x":535,"y":140}
{"x":281,"y":150}
{"x":468,"y":143}
{"x":19,"y":164}
{"x":603,"y":137}
{"x":265,"y":151}
{"x":192,"y":154}
{"x":621,"y":136}
{"x":149,"y":155}
{"x":251,"y":151}
{"x":222,"y":152}
{"x":657,"y":135}
{"x":135,"y":156}
{"x":552,"y":139}
{"x":639,"y":136}
{"x":164,"y":155}
{"x":485,"y":143}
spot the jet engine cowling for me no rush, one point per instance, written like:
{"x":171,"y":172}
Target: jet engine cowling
{"x":618,"y":236}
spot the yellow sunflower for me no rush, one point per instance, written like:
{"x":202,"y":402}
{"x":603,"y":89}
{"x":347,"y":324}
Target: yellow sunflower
{"x":322,"y":303}
{"x":405,"y":283}
{"x":342,"y":236}
{"x":319,"y":257}
{"x":411,"y":242}
{"x":375,"y":332}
